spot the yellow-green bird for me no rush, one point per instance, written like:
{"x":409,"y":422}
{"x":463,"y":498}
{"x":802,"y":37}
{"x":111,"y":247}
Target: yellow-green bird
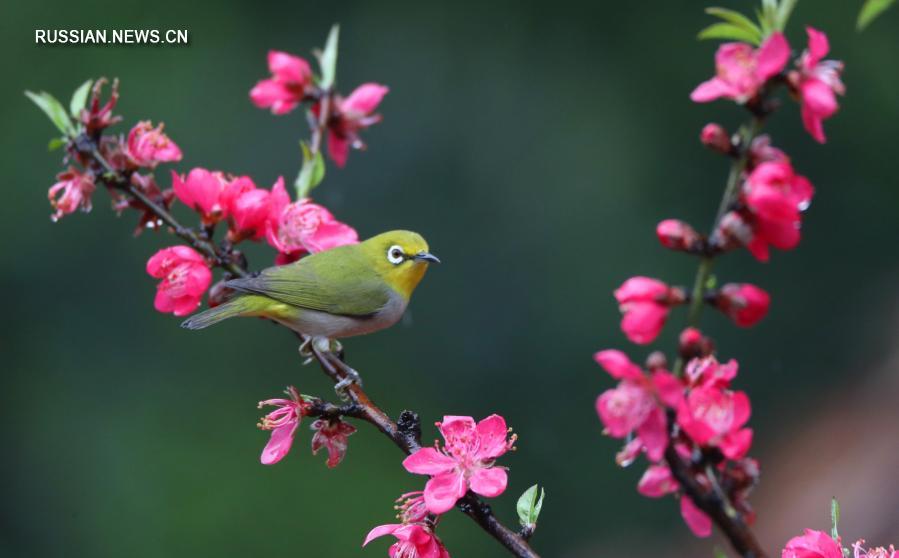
{"x":348,"y":290}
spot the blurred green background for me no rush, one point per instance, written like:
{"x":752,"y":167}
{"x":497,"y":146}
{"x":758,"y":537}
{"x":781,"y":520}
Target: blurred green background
{"x":535,"y":145}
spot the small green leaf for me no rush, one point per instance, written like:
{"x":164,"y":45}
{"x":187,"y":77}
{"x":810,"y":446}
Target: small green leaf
{"x":328,"y":58}
{"x":529,"y":505}
{"x":79,"y":99}
{"x":719,"y":553}
{"x":834,"y":518}
{"x":54,"y":111}
{"x":711,"y":283}
{"x":56,"y":143}
{"x":783,"y":13}
{"x":311,"y":173}
{"x":737,"y":19}
{"x":728,"y":32}
{"x":870,"y":11}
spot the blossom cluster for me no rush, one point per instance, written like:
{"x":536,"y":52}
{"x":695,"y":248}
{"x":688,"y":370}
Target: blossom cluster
{"x":688,"y":420}
{"x":818,"y":544}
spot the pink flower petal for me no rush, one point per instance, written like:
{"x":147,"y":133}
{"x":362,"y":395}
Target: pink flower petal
{"x":669,"y":388}
{"x":654,"y":434}
{"x":365,"y":98}
{"x":818,"y":46}
{"x":773,"y":55}
{"x":618,"y":365}
{"x":380,"y":531}
{"x":710,"y":90}
{"x":443,"y":491}
{"x":428,"y":461}
{"x":338,"y":148}
{"x":736,"y":444}
{"x":643,"y":321}
{"x":492,"y":437}
{"x":490,"y":482}
{"x":812,"y":544}
{"x":288,"y":68}
{"x":279,"y":444}
{"x":656,"y":482}
{"x":696,"y":519}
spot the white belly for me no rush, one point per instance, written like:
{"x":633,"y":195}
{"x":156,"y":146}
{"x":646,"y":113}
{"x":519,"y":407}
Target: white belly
{"x":322,"y":324}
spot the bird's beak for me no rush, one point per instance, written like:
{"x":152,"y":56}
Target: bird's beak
{"x":426,"y":257}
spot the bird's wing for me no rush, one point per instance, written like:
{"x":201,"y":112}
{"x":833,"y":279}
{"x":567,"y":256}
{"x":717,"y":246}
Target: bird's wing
{"x":345,"y":288}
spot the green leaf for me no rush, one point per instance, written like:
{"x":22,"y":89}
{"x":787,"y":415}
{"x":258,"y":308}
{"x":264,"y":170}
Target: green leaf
{"x":728,"y":32}
{"x":834,"y":518}
{"x":529,"y":505}
{"x":54,"y":111}
{"x":79,"y":99}
{"x":55,"y":144}
{"x":328,"y":58}
{"x":870,"y":11}
{"x":783,"y":13}
{"x":311,"y":173}
{"x":719,"y":553}
{"x":739,"y":20}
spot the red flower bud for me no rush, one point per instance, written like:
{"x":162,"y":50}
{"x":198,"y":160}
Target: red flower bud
{"x":715,"y":137}
{"x":677,"y":235}
{"x":745,"y":304}
{"x":693,"y":344}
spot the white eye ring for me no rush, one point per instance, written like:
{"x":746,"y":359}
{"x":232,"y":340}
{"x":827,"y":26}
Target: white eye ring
{"x":395,"y":255}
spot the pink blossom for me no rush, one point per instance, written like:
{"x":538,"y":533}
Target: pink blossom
{"x":817,"y":82}
{"x":657,"y":482}
{"x":185,"y":277}
{"x":349,"y":116}
{"x":677,"y":235}
{"x":248,"y":207}
{"x":709,"y":372}
{"x":202,"y":191}
{"x":636,"y":405}
{"x":880,"y":552}
{"x":813,"y":544}
{"x":282,"y":92}
{"x":712,"y":416}
{"x":775,"y":196}
{"x":76,"y":188}
{"x":412,"y":541}
{"x":716,"y":138}
{"x":743,"y":303}
{"x":148,"y":146}
{"x":303,"y":226}
{"x":742,"y":70}
{"x":283,"y":423}
{"x":693,"y":344}
{"x":644,"y":303}
{"x":465,"y":462}
{"x":695,"y":518}
{"x":331,"y":435}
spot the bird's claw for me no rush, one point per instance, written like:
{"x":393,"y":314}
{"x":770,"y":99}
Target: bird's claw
{"x":350,"y":377}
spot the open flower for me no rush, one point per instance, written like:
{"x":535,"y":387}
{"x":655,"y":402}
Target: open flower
{"x":812,"y":544}
{"x":201,"y":191}
{"x":858,"y":551}
{"x":185,"y":278}
{"x":72,"y":191}
{"x":303,"y":226}
{"x":712,"y":416}
{"x":149,"y":146}
{"x":466,"y":461}
{"x":775,"y":197}
{"x":350,"y":115}
{"x":412,"y":541}
{"x":817,"y":82}
{"x":636,"y":405}
{"x":248,"y":208}
{"x":742,"y":70}
{"x":282,"y":92}
{"x":644,"y":304}
{"x":743,"y":303}
{"x":331,"y":435}
{"x":283,"y":423}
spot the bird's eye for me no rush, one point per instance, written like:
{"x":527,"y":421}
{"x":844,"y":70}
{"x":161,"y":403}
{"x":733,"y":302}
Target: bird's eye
{"x":395,"y":255}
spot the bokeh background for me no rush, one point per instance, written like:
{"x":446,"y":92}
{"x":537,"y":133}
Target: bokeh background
{"x":535,"y":144}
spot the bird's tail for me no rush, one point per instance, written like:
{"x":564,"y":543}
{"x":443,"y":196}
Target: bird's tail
{"x":240,"y":306}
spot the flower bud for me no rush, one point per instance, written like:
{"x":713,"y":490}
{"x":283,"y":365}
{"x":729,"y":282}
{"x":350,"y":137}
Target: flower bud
{"x":743,"y":303}
{"x":678,"y":235}
{"x":693,"y":344}
{"x":656,"y":361}
{"x":715,"y":137}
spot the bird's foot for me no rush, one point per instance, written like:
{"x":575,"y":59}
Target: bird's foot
{"x":350,"y":376}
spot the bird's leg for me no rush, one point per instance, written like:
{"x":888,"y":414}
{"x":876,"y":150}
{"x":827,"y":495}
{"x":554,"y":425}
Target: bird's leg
{"x":306,"y":350}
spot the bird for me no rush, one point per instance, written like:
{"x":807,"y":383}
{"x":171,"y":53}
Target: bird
{"x":346,"y":291}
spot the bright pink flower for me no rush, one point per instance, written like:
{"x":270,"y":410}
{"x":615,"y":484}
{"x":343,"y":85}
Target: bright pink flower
{"x":349,"y":116}
{"x":291,"y":75}
{"x":636,"y":405}
{"x":465,"y":462}
{"x":695,"y":518}
{"x":708,"y":372}
{"x":185,"y":277}
{"x":412,"y":541}
{"x":148,"y":146}
{"x":743,"y":303}
{"x":331,"y":435}
{"x":283,"y":423}
{"x":657,"y":482}
{"x":303,"y":226}
{"x":817,"y":82}
{"x":644,"y":303}
{"x":715,"y":137}
{"x":76,"y":188}
{"x":202,"y":192}
{"x":712,"y":416}
{"x":880,"y":552}
{"x":775,"y":196}
{"x":249,"y":208}
{"x":813,"y":544}
{"x":677,"y":235}
{"x":742,"y":70}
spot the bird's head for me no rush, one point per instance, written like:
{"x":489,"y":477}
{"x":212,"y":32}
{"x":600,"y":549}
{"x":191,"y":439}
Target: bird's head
{"x":400,"y":257}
